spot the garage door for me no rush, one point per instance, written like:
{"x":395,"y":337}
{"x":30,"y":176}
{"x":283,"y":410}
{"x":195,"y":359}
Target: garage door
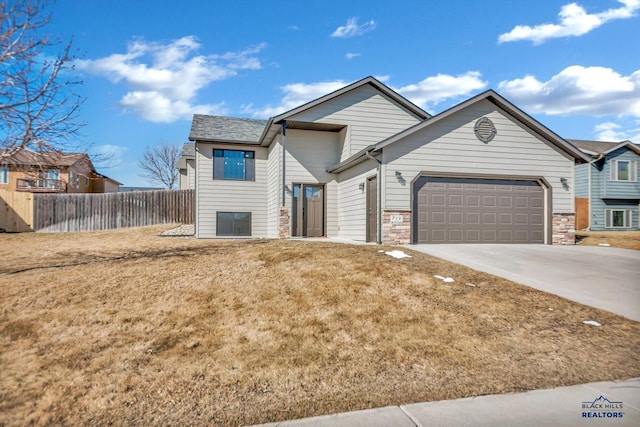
{"x":465,"y":210}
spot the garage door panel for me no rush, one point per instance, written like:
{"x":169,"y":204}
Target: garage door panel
{"x":458,"y":210}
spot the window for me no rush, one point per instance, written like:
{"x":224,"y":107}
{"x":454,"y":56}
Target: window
{"x":623,"y":170}
{"x":618,"y":218}
{"x":233,"y":223}
{"x":4,"y":175}
{"x":86,"y":181}
{"x":234,"y":164}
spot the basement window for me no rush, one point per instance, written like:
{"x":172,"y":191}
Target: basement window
{"x":233,"y":224}
{"x":618,"y":218}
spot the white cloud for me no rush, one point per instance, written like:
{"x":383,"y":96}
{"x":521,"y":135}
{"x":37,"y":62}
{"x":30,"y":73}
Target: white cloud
{"x":436,"y":89}
{"x":574,"y":21}
{"x":596,"y":91}
{"x":352,"y":29}
{"x":296,"y":94}
{"x":156,"y":107}
{"x":351,"y":55}
{"x":165,"y":78}
{"x":610,"y":131}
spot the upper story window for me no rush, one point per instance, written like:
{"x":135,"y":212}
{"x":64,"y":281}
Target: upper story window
{"x":623,"y":170}
{"x":4,"y":175}
{"x":234,"y":164}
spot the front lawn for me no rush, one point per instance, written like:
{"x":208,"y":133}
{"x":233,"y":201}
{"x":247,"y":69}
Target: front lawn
{"x":127,"y":327}
{"x":616,"y":239}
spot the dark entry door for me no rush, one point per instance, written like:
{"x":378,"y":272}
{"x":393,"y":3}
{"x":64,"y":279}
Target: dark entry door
{"x":308,"y":210}
{"x":372,"y":209}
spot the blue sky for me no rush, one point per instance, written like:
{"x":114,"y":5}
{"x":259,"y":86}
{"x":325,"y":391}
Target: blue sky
{"x":149,"y":66}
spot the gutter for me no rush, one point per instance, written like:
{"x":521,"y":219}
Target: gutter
{"x":378,"y":198}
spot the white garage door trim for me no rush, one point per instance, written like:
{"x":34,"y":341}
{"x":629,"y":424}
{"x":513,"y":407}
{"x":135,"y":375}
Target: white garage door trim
{"x":418,"y":181}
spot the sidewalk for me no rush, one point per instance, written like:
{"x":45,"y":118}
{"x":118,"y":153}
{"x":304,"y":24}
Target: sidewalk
{"x":561,"y":406}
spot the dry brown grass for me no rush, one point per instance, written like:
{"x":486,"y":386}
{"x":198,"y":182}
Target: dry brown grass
{"x":617,"y":239}
{"x":126,"y":327}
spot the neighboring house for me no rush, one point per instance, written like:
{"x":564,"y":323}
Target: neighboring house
{"x":607,"y":186}
{"x":364,"y":163}
{"x":52,"y":172}
{"x":186,"y":167}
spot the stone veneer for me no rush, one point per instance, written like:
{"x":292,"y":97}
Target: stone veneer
{"x":284,"y":229}
{"x":563,"y":230}
{"x":396,"y":232}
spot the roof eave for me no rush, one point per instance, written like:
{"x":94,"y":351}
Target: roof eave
{"x":354,"y":160}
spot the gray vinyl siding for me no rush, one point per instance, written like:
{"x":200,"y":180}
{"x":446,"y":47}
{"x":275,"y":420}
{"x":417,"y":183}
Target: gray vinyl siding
{"x":619,"y":189}
{"x":370,"y":115}
{"x":309,"y":155}
{"x":274,"y":187}
{"x":352,"y":201}
{"x":450,"y":146}
{"x":230,"y":196}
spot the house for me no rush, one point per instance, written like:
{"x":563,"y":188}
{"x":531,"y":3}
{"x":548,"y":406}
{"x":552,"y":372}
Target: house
{"x":52,"y":172}
{"x":607,"y":186}
{"x":186,"y":167}
{"x":364,"y":163}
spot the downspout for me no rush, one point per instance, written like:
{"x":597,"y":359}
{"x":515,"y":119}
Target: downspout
{"x":378,"y":198}
{"x":600,"y":156}
{"x":284,"y":163}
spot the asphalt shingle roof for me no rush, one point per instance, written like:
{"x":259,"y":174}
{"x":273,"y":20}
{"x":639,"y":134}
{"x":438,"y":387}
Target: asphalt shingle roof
{"x":188,"y":150}
{"x":230,"y":129}
{"x":33,"y":158}
{"x":597,"y":147}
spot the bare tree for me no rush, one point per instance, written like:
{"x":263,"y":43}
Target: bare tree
{"x":160,"y":164}
{"x":38,"y":109}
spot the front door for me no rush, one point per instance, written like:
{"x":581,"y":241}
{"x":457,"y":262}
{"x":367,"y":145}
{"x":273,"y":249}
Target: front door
{"x":308,"y":210}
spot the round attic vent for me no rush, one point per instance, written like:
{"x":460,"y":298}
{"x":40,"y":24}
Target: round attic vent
{"x":485,"y":129}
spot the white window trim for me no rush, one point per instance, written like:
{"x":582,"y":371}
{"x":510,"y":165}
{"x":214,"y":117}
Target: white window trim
{"x":633,"y":171}
{"x":4,"y":175}
{"x":628,"y":218}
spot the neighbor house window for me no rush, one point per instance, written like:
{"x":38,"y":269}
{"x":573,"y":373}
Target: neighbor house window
{"x":234,"y":164}
{"x":86,"y":181}
{"x":618,"y":218}
{"x":4,"y":176}
{"x":623,"y":170}
{"x":233,"y":223}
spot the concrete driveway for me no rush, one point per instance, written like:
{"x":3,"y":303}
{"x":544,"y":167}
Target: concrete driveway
{"x":601,"y":277}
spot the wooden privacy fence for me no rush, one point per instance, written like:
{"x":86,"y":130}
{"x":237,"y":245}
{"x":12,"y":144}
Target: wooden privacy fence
{"x":16,"y":211}
{"x":89,"y":212}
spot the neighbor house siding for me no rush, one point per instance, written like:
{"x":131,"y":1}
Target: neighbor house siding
{"x":450,"y":146}
{"x":620,"y":189}
{"x":352,"y":201}
{"x":191,"y":173}
{"x":582,"y":179}
{"x":227,"y":195}
{"x":598,"y":212}
{"x":370,"y":115}
{"x":309,"y":155}
{"x":274,"y":186}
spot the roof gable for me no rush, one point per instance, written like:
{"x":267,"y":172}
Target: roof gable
{"x":505,"y":106}
{"x":379,"y":86}
{"x":274,"y":123}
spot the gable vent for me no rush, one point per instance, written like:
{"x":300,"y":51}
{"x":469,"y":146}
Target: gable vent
{"x":485,"y":130}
